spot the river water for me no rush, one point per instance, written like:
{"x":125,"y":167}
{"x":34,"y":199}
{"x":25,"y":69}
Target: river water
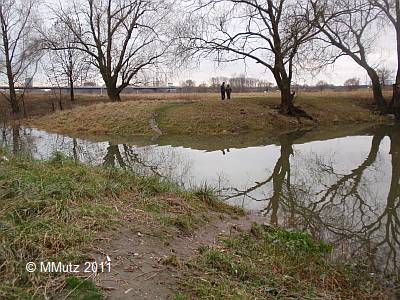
{"x":341,"y":185}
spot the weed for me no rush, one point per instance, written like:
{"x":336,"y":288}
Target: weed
{"x":207,"y":194}
{"x":186,"y":223}
{"x":82,"y":289}
{"x":180,"y":296}
{"x":172,"y":260}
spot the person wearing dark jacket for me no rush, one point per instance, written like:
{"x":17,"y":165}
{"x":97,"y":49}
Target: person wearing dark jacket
{"x":223,"y":91}
{"x":228,"y":90}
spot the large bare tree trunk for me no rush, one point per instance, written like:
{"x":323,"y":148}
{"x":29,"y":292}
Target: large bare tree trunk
{"x":13,"y":99}
{"x":113,"y":91}
{"x":392,"y":12}
{"x":395,"y":103}
{"x":10,"y":76}
{"x":284,"y":84}
{"x":113,"y":94}
{"x":286,"y":100}
{"x":71,"y":89}
{"x":377,"y":90}
{"x":71,"y":76}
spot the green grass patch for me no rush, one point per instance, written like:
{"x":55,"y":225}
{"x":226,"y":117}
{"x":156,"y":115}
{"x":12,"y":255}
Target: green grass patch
{"x":82,"y":289}
{"x":272,"y":263}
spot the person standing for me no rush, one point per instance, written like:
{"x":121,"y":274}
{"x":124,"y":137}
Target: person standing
{"x":223,"y":91}
{"x":228,"y":90}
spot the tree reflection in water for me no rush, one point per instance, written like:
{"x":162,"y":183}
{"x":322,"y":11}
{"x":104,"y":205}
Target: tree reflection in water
{"x":279,"y":179}
{"x":18,"y":140}
{"x":348,"y":209}
{"x":165,"y":162}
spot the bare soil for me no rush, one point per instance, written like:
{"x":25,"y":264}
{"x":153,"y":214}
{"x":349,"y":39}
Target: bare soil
{"x":146,"y":267}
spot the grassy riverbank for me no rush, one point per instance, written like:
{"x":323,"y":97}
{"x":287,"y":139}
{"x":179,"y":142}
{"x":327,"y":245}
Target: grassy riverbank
{"x":205,"y":114}
{"x":58,"y":210}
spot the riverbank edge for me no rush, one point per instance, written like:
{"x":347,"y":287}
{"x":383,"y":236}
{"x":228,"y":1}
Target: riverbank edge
{"x":47,"y":216}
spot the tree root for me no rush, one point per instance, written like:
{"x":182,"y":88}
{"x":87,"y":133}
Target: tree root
{"x":298,"y":112}
{"x":294,"y":112}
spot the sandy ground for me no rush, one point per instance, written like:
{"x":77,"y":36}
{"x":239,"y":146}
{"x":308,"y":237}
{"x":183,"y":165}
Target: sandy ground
{"x":139,"y":270}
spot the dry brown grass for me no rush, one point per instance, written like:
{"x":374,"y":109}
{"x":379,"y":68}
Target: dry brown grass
{"x":252,"y":112}
{"x":39,"y":104}
{"x":205,"y":114}
{"x":126,"y":118}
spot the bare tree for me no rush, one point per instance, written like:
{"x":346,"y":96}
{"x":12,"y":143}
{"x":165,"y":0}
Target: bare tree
{"x":68,"y":65}
{"x":352,"y":82}
{"x":123,"y":37}
{"x":240,"y":82}
{"x":214,"y":82}
{"x":56,"y":78}
{"x":18,"y":46}
{"x":322,"y":84}
{"x":273,"y":33}
{"x":391,"y":9}
{"x":348,"y":26}
{"x":385,"y":75}
{"x":188,"y":83}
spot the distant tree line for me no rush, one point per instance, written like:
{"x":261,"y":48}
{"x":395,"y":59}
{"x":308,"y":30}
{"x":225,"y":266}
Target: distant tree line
{"x":243,"y":84}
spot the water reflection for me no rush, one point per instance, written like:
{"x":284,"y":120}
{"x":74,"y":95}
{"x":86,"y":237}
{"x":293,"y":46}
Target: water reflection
{"x":344,"y":190}
{"x":355,"y":209}
{"x":17,"y":140}
{"x":166,"y":162}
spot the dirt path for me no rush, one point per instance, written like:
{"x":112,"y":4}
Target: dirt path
{"x":153,"y":125}
{"x":139,"y":270}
